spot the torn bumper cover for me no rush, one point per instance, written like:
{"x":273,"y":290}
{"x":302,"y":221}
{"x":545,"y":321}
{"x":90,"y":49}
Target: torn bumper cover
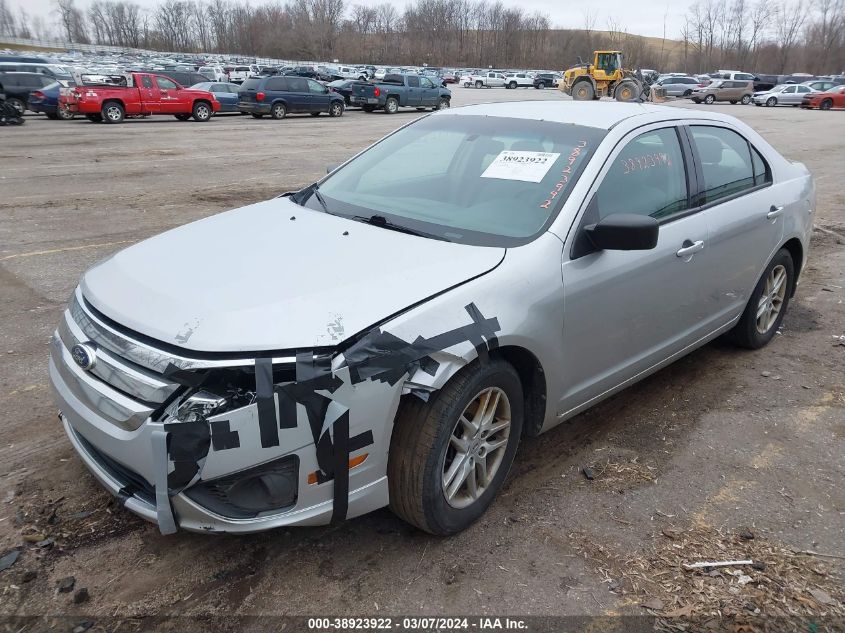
{"x":244,"y":446}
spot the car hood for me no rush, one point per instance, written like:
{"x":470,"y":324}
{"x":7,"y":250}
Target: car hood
{"x":274,"y":276}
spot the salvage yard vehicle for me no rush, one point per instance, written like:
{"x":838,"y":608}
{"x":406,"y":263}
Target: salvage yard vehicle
{"x":725,"y":90}
{"x":783,"y":94}
{"x":834,"y":98}
{"x":225,"y":93}
{"x":112,"y":99}
{"x":546,"y":80}
{"x":485,"y":80}
{"x":397,"y":91}
{"x":279,"y":96}
{"x":519,"y":80}
{"x":387,"y":335}
{"x":46,"y":100}
{"x":18,"y":86}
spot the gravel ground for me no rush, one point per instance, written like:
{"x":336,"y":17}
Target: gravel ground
{"x":726,"y":454}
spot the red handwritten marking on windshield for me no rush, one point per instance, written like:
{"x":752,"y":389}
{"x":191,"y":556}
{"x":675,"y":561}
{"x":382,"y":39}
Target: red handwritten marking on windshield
{"x":565,"y":174}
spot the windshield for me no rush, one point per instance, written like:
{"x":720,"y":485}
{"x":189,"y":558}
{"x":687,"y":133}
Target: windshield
{"x":471,"y":179}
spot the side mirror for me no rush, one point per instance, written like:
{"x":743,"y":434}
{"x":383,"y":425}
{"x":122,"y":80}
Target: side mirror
{"x":331,"y":168}
{"x":624,"y":232}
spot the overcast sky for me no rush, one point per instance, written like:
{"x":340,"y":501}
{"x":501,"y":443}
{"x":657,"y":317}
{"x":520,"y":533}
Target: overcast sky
{"x":635,"y":17}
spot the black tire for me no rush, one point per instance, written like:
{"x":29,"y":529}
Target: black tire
{"x":541,"y":85}
{"x":771,"y":102}
{"x":709,"y":99}
{"x":443,"y":104}
{"x":278,"y":111}
{"x":391,"y":106}
{"x":626,"y":91}
{"x":94,"y":118}
{"x":479,"y":84}
{"x":182,"y":117}
{"x":583,"y":91}
{"x":512,"y":85}
{"x":687,"y":93}
{"x":746,"y":333}
{"x":421,"y":443}
{"x":827,"y":104}
{"x":733,"y":102}
{"x":51,"y":115}
{"x":17,"y":104}
{"x":256,"y":115}
{"x":746,"y":99}
{"x":368,"y":108}
{"x":202,"y":112}
{"x":113,"y":112}
{"x":336,"y":109}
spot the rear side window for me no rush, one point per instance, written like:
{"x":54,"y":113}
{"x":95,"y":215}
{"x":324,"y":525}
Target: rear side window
{"x":413,"y":81}
{"x":250,"y":84}
{"x":725,"y":162}
{"x":297,"y":84}
{"x":647,"y":178}
{"x":146,"y":81}
{"x":762,"y":173}
{"x":276,"y":83}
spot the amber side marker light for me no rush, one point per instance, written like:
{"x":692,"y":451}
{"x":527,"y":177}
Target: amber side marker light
{"x":355,"y":461}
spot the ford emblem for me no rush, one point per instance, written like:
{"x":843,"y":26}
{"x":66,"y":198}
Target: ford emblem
{"x":83,"y":355}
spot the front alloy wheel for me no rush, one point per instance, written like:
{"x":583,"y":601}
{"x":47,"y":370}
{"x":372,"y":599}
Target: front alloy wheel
{"x":449,"y":456}
{"x":476,"y":447}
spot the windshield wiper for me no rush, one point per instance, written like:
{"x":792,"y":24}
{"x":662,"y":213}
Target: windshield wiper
{"x":383,"y":222}
{"x":301,"y":196}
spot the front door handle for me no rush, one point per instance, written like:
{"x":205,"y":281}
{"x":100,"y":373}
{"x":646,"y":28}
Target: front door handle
{"x":690,"y":248}
{"x":774,"y":212}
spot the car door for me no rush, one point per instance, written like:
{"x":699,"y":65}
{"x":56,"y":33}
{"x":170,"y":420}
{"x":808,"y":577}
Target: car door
{"x":228,"y":101}
{"x":413,"y":91}
{"x":744,"y":215}
{"x":150,"y":97}
{"x":319,"y":97}
{"x":800,"y":93}
{"x":626,"y":311}
{"x":429,"y":93}
{"x":298,"y":95}
{"x":169,"y":100}
{"x":788,"y":96}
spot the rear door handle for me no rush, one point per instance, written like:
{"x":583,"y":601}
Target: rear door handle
{"x":774,"y":212}
{"x":690,"y":248}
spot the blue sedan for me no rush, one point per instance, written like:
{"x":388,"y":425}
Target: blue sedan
{"x":225,"y":93}
{"x":46,"y":100}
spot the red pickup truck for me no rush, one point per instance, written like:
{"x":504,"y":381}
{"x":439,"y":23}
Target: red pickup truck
{"x":112,"y":98}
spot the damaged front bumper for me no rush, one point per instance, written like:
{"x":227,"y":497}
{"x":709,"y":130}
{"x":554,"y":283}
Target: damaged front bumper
{"x":178,"y":474}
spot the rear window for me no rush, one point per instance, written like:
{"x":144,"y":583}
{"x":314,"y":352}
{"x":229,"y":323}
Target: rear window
{"x":250,"y":84}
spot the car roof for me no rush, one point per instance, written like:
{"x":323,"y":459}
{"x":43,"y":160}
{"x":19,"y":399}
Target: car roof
{"x":603,"y":115}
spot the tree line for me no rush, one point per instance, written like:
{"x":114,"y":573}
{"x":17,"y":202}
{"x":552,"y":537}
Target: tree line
{"x":766,"y":36}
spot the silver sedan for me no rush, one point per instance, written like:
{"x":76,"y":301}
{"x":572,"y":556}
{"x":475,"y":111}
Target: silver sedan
{"x":386,"y":336}
{"x":783,"y":94}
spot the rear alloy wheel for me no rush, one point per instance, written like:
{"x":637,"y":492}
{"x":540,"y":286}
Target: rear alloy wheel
{"x":479,"y":84}
{"x":771,"y":102}
{"x":709,"y":99}
{"x":113,"y":112}
{"x":768,"y":303}
{"x":541,"y":85}
{"x":746,"y":99}
{"x":64,"y":114}
{"x":391,"y":106}
{"x":278,"y":111}
{"x":202,"y":112}
{"x":336,"y":109}
{"x":512,"y":85}
{"x":827,"y":104}
{"x":449,"y":456}
{"x":583,"y":91}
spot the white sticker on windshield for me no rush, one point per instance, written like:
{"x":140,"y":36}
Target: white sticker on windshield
{"x":527,"y":166}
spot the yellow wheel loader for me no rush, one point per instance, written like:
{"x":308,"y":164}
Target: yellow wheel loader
{"x":605,"y":77}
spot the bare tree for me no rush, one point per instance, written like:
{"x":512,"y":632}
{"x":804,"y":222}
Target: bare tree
{"x":789,"y":18}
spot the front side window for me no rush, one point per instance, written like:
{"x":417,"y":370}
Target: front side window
{"x":316,"y":88}
{"x":469,"y":179}
{"x":647,"y":178}
{"x":726,"y":163}
{"x":146,"y":81}
{"x":425,"y":83}
{"x":165,"y":84}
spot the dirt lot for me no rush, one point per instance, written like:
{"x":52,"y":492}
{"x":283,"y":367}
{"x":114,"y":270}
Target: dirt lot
{"x":722,"y":446}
